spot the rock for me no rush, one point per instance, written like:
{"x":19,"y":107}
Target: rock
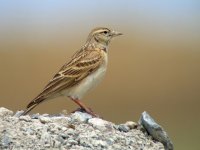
{"x":72,"y":142}
{"x":18,"y":113}
{"x":5,"y":112}
{"x":99,"y":123}
{"x":80,"y":117}
{"x":131,"y":124}
{"x":61,"y":119}
{"x":35,"y":116}
{"x":72,"y":131}
{"x":123,"y":127}
{"x":100,"y":143}
{"x":44,"y":119}
{"x":25,"y":118}
{"x":5,"y":141}
{"x":155,"y":130}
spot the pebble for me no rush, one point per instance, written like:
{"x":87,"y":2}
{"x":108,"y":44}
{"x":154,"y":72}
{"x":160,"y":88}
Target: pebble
{"x":80,"y":117}
{"x":72,"y":142}
{"x":123,"y":127}
{"x":35,"y":116}
{"x":25,"y":118}
{"x":44,"y":119}
{"x":5,"y":141}
{"x":61,"y":119}
{"x":131,"y":124}
{"x":98,"y":123}
{"x":45,"y":115}
{"x":70,"y":131}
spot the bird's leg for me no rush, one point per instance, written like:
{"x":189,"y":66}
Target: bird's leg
{"x":89,"y":111}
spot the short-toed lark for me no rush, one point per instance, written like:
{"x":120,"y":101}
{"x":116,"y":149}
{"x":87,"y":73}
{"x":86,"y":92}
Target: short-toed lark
{"x":83,"y":72}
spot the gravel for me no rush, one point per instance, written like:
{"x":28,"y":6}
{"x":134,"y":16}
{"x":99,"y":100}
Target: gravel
{"x":77,"y":131}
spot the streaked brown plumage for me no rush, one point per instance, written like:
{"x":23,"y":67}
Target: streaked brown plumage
{"x":76,"y":77}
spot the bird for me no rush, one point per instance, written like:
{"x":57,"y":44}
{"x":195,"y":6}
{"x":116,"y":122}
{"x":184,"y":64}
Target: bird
{"x":84,"y":71}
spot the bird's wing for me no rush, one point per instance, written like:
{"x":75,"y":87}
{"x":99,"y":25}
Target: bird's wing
{"x":71,"y":74}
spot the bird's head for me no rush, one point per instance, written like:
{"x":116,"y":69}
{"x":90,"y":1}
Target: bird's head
{"x":102,"y":35}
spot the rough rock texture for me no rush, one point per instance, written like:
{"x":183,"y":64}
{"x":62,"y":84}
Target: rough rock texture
{"x":155,"y":130}
{"x":77,"y":131}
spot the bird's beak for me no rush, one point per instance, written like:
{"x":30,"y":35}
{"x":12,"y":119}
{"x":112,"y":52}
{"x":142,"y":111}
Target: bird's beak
{"x":115,"y":33}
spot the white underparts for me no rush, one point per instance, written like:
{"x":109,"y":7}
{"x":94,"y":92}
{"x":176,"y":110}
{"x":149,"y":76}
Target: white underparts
{"x":90,"y":82}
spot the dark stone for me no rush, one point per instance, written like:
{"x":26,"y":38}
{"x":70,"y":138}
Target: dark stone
{"x":155,"y":130}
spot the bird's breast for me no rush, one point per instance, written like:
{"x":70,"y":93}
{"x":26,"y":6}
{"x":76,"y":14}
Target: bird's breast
{"x":90,"y":82}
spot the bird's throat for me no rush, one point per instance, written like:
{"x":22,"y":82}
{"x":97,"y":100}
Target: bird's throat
{"x":98,"y":44}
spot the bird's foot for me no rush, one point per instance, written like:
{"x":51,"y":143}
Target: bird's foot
{"x":88,"y":110}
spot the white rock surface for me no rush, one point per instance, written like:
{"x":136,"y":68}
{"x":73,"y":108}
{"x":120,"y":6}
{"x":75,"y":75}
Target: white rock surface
{"x":5,"y":112}
{"x":80,"y":116}
{"x":78,"y":131}
{"x":100,"y":124}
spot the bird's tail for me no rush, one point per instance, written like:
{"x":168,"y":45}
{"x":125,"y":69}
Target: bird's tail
{"x":28,"y":110}
{"x":32,"y":105}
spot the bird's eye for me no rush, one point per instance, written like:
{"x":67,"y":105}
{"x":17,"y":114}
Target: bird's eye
{"x":105,"y":32}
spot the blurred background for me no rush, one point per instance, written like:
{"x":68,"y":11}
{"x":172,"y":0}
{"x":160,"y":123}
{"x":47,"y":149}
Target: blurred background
{"x":154,"y":67}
